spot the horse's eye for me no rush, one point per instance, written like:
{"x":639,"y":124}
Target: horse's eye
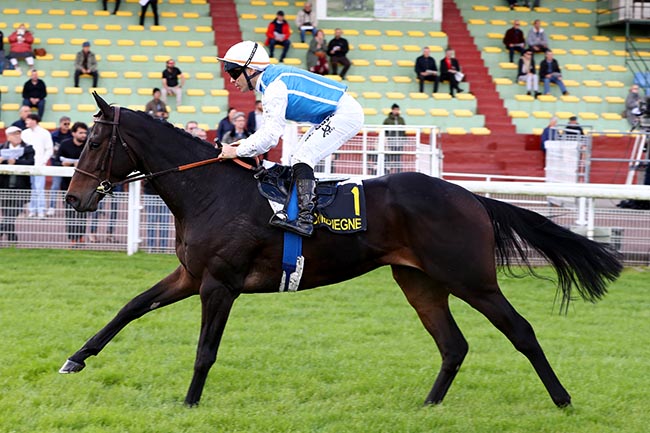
{"x":94,"y":145}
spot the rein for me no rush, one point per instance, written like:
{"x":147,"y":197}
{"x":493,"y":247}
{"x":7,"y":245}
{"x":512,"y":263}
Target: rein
{"x":106,"y":186}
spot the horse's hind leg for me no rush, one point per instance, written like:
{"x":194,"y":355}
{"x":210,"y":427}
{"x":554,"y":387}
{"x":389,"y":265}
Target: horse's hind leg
{"x":175,"y":287}
{"x":520,"y":333}
{"x":431,"y":303}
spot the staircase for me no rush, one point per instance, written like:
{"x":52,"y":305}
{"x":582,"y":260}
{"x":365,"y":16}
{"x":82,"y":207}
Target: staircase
{"x":225,"y":23}
{"x":503,"y":151}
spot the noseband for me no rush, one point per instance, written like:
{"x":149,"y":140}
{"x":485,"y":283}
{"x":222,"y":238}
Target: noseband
{"x":107,"y":187}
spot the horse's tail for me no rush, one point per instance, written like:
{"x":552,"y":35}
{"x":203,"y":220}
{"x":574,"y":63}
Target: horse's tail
{"x":579,"y":262}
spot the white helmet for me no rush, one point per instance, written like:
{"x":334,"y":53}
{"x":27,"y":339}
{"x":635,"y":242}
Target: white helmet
{"x":248,"y":54}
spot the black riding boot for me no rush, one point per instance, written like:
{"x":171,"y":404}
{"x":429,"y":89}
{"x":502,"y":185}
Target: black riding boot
{"x":304,"y":223}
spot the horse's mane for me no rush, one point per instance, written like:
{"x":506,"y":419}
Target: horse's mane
{"x":180,"y":131}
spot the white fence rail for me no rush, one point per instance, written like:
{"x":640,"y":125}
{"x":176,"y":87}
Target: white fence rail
{"x":131,"y":221}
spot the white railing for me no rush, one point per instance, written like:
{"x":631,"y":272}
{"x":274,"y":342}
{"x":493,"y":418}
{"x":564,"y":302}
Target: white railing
{"x":131,"y":221}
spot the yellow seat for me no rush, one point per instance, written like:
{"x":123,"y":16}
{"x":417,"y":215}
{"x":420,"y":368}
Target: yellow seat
{"x":210,"y":109}
{"x":476,"y":21}
{"x":115,"y":58}
{"x":462,"y":112}
{"x":160,"y":29}
{"x":558,"y":37}
{"x":402,"y":79}
{"x":617,"y":68}
{"x":455,"y":130}
{"x":369,"y":32}
{"x":194,"y":44}
{"x":581,"y":25}
{"x":573,"y":67}
{"x":187,"y":109}
{"x":394,"y":33}
{"x":411,"y":48}
{"x":480,"y":130}
{"x":148,"y":43}
{"x":191,"y":15}
{"x":10,"y":106}
{"x":560,"y":24}
{"x":248,"y":17}
{"x":523,"y":98}
{"x":209,"y":59}
{"x":57,"y":12}
{"x":60,"y":107}
{"x":154,"y":75}
{"x":569,"y":98}
{"x":172,"y":43}
{"x":546,"y":98}
{"x":161,"y":58}
{"x":492,"y":50}
{"x":139,"y":58}
{"x":351,"y":32}
{"x":442,"y":97}
{"x":113,"y":27}
{"x":367,"y":47}
{"x":300,"y":45}
{"x":292,"y":61}
{"x":53,"y":90}
{"x":614,"y":99}
{"x":601,"y":53}
{"x":418,"y":95}
{"x":369,"y":111}
{"x":584,"y":115}
{"x":579,"y":52}
{"x":592,"y":99}
{"x":186,"y":59}
{"x":144,"y":91}
{"x":493,"y":35}
{"x":60,"y":74}
{"x":380,"y":62}
{"x":133,"y":74}
{"x":44,"y":26}
{"x":395,"y":95}
{"x":371,"y":95}
{"x":378,"y":79}
{"x":564,"y":115}
{"x":108,"y":74}
{"x":415,"y":33}
{"x":180,"y":29}
{"x":465,"y":97}
{"x":122,"y":90}
{"x":611,"y":116}
{"x":79,"y":12}
{"x":406,"y":63}
{"x":439,"y":112}
{"x":168,"y":14}
{"x":614,"y":84}
{"x":86,"y":108}
{"x":360,"y":62}
{"x":542,"y":115}
{"x":195,"y":92}
{"x":99,"y":90}
{"x":102,"y":42}
{"x":580,"y":38}
{"x":518,"y":114}
{"x":33,"y":11}
{"x":507,"y":65}
{"x":498,"y":22}
{"x":356,"y":78}
{"x":222,"y":92}
{"x":203,"y":29}
{"x":55,"y":41}
{"x":504,"y":81}
{"x":125,"y":43}
{"x":70,"y":90}
{"x":596,"y":68}
{"x":204,"y":76}
{"x":592,"y":83}
{"x":480,"y":8}
{"x":415,"y":112}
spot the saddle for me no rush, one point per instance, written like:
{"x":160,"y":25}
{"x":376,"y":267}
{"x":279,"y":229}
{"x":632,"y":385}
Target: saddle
{"x":340,"y":207}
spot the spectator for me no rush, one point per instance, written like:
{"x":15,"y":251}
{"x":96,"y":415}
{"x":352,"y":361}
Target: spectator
{"x":2,"y":51}
{"x":117,"y":5}
{"x":34,"y":93}
{"x":394,"y":139}
{"x":317,"y":54}
{"x":573,"y":128}
{"x":171,"y":82}
{"x":85,"y":63}
{"x":278,"y":33}
{"x":145,"y":6}
{"x":20,"y":47}
{"x":526,"y":73}
{"x":548,"y":133}
{"x":633,"y":105}
{"x":537,"y":40}
{"x":306,"y":21}
{"x":239,"y":132}
{"x":226,"y":124}
{"x":61,"y":133}
{"x":338,"y":49}
{"x":200,"y":133}
{"x":41,"y":140}
{"x":426,"y":70}
{"x":550,"y":72}
{"x":156,"y":107}
{"x":255,"y":118}
{"x":450,"y":71}
{"x":514,"y":40}
{"x":12,"y":204}
{"x":23,"y":112}
{"x":191,"y":126}
{"x":68,"y":154}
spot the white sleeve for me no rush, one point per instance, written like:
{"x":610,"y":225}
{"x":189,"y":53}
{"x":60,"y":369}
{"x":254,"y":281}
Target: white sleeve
{"x":274,"y":101}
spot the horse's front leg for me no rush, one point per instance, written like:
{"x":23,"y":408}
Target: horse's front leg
{"x":216,"y":303}
{"x":175,"y":287}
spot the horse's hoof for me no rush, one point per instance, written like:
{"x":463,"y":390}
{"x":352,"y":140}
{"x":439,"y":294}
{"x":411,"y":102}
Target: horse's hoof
{"x":71,"y":366}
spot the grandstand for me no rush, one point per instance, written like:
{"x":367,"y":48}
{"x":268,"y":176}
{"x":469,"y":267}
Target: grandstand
{"x":491,"y":128}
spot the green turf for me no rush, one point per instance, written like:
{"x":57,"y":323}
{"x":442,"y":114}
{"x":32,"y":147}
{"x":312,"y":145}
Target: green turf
{"x":348,"y":358}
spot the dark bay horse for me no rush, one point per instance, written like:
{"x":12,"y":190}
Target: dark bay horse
{"x":438,"y":238}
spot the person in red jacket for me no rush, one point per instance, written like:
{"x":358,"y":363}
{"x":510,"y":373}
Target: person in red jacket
{"x":278,"y":33}
{"x":20,"y":42}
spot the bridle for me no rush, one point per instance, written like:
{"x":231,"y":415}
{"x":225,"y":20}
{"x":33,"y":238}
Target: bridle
{"x":107,"y":187}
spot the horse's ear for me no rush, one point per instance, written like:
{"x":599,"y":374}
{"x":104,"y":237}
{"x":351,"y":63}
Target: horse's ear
{"x":103,"y":105}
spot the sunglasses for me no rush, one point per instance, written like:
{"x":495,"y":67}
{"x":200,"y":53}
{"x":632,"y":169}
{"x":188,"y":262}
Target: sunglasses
{"x":235,"y":72}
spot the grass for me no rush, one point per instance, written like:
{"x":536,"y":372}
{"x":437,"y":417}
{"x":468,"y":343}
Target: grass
{"x":348,"y":358}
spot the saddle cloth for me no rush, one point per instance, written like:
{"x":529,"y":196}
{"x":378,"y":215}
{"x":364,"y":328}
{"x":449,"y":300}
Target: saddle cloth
{"x":341,"y":207}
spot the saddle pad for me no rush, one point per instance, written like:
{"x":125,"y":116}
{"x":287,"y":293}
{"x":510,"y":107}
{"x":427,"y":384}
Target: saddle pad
{"x":346,"y":213}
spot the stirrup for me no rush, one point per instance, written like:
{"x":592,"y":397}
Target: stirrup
{"x":279,"y":217}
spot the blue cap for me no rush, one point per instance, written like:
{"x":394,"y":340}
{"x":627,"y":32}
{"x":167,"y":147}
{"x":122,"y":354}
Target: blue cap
{"x":85,"y":44}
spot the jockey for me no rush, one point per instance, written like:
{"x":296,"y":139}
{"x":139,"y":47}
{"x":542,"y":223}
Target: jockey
{"x":290,"y":93}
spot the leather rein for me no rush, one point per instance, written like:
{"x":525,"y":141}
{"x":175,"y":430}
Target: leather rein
{"x":106,"y":186}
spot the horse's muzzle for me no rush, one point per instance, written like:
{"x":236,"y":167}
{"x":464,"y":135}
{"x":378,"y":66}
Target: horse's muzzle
{"x":79,"y":205}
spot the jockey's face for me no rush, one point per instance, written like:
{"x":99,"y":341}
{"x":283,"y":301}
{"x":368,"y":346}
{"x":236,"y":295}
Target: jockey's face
{"x":241,"y":83}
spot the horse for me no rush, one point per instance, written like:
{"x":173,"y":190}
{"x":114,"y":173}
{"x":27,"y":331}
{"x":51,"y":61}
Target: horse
{"x":438,"y":238}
